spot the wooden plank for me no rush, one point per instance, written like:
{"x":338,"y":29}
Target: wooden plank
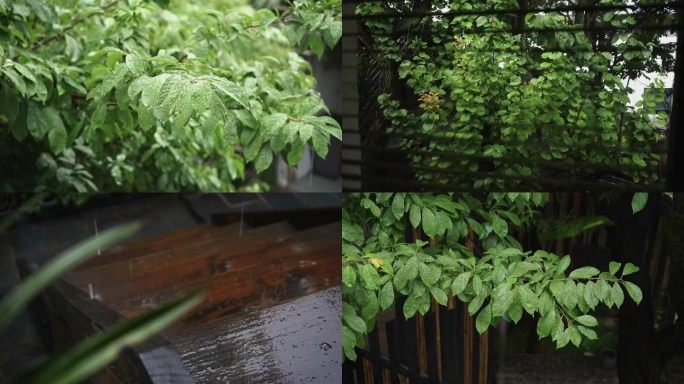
{"x":265,"y":266}
{"x":300,"y":219}
{"x":294,"y":342}
{"x":66,"y":316}
{"x":151,"y":245}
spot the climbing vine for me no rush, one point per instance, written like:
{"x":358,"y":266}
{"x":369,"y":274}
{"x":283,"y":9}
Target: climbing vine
{"x":378,"y":265}
{"x":130,"y":95}
{"x":492,"y":99}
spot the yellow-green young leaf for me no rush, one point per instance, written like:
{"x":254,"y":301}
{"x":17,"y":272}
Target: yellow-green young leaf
{"x":429,"y":222}
{"x":587,"y":320}
{"x":614,"y":267}
{"x":584,"y":272}
{"x":348,"y":276}
{"x":439,"y":295}
{"x":634,"y":291}
{"x":414,"y":216}
{"x":386,"y":295}
{"x":629,"y":269}
{"x":62,"y":263}
{"x":483,"y":319}
{"x":87,"y":358}
{"x":264,"y":159}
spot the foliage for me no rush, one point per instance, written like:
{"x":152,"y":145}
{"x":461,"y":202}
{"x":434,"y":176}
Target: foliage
{"x":504,"y":281}
{"x":640,"y":199}
{"x":534,"y":97}
{"x":96,"y":353}
{"x":124,"y":95}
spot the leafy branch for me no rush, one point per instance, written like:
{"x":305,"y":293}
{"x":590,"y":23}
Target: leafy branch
{"x":502,"y":284}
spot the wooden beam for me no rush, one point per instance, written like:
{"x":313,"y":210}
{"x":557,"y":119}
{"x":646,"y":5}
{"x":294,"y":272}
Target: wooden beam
{"x":66,"y":316}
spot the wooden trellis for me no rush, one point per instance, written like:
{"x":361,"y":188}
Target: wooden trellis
{"x":441,"y":346}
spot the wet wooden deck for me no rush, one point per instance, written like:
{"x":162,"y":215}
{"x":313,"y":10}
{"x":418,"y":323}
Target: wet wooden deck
{"x":273,"y":307}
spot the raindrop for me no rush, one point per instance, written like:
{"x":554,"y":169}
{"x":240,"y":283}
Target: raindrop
{"x":90,"y":288}
{"x":97,"y":237}
{"x":242,"y":215}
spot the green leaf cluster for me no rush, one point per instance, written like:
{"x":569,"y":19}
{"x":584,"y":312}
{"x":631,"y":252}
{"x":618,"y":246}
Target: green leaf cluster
{"x":127,"y":96}
{"x":503,"y":283}
{"x":535,"y":96}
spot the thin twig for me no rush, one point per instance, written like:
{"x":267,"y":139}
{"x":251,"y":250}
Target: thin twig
{"x":71,"y":26}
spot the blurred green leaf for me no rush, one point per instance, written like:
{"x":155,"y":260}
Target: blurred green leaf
{"x":94,"y":354}
{"x":67,"y":260}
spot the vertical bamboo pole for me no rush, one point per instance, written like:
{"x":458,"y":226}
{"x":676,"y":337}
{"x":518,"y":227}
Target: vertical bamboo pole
{"x":438,"y":341}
